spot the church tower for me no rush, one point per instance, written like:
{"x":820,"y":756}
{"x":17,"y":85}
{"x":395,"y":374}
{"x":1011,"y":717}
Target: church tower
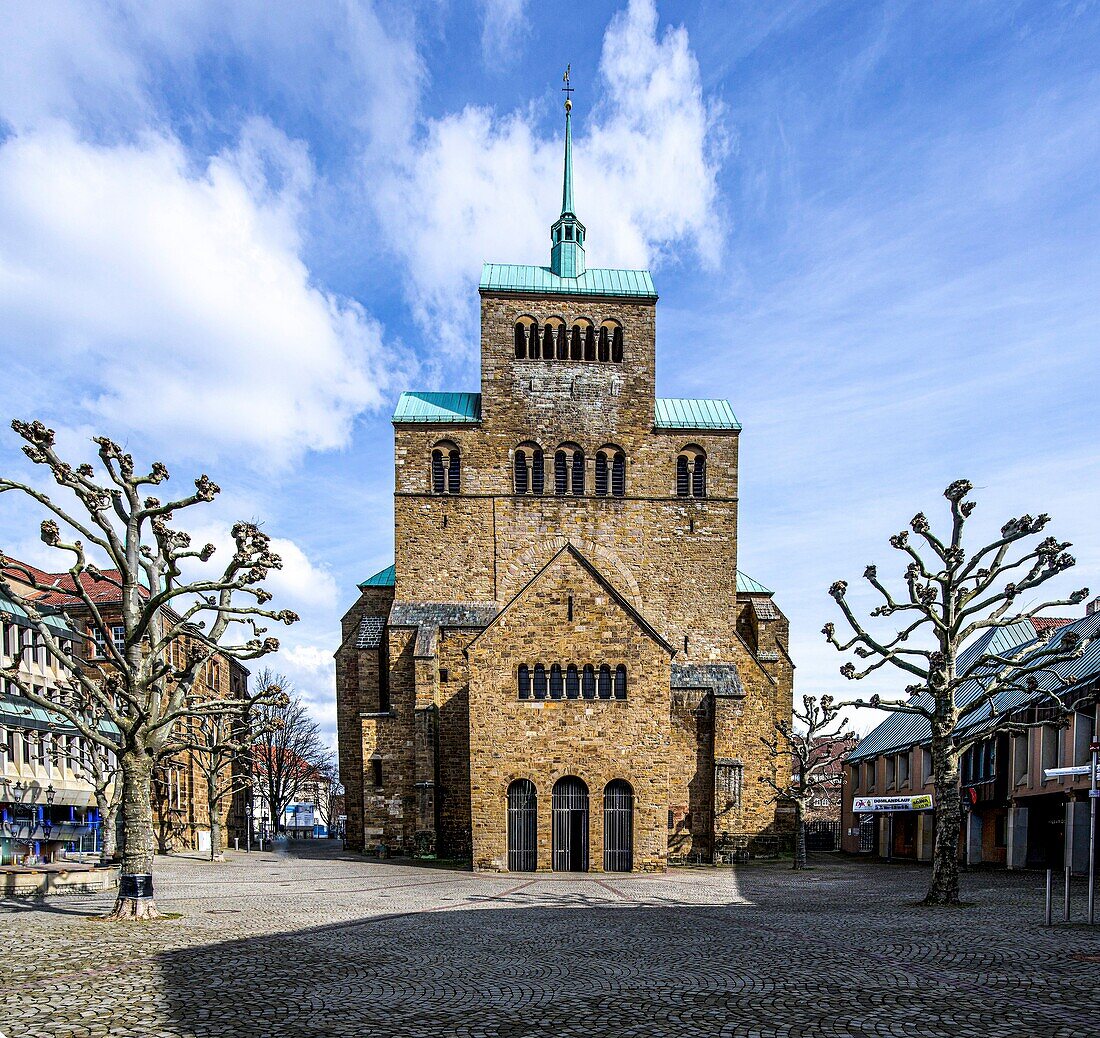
{"x":564,"y":668}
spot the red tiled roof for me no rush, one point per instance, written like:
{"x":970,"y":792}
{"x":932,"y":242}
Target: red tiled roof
{"x":1049,"y":623}
{"x":63,"y":590}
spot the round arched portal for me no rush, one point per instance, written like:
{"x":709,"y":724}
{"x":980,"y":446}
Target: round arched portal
{"x":570,"y":811}
{"x":618,"y":827}
{"x":523,"y":802}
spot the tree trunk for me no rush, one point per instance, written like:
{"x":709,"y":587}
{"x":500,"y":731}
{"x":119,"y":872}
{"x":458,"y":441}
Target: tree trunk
{"x":799,"y":836}
{"x":944,"y":889}
{"x":215,"y":832}
{"x":135,"y":891}
{"x":108,"y":827}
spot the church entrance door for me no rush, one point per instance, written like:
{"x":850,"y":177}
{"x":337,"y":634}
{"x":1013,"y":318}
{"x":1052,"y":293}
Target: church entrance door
{"x":570,"y":811}
{"x":522,"y":826}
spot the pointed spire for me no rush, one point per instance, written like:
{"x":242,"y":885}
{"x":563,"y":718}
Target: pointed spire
{"x":567,"y":182}
{"x":567,"y":234}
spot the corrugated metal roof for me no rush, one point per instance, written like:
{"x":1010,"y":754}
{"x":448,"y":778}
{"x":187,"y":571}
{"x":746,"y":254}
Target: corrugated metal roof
{"x":383,"y":578}
{"x":17,"y":712}
{"x":595,"y":281}
{"x":900,"y":731}
{"x":674,"y":413}
{"x":747,"y":586}
{"x":446,"y":408}
{"x":52,"y":619}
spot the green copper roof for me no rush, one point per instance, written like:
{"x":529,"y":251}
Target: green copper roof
{"x":383,"y":578}
{"x":747,"y":586}
{"x":446,"y":408}
{"x":595,"y":281}
{"x":465,"y":408}
{"x":695,"y":414}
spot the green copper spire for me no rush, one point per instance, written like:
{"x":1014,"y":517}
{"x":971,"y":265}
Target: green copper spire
{"x":567,"y":183}
{"x":567,"y":234}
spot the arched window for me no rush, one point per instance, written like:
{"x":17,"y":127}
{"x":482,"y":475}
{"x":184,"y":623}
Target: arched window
{"x":557,"y":686}
{"x":569,"y":470}
{"x":620,"y":682}
{"x":524,"y":681}
{"x":604,"y":685}
{"x":576,"y":482}
{"x":617,"y":345}
{"x":610,"y":346}
{"x":590,"y":343}
{"x":610,"y":472}
{"x":522,"y":826}
{"x":618,"y":475}
{"x":554,"y":342}
{"x":540,"y":681}
{"x":576,"y":343}
{"x":446,"y":468}
{"x":526,"y":336}
{"x":691,"y":472}
{"x":572,"y":682}
{"x":527,"y":469}
{"x":521,"y":474}
{"x":588,"y":682}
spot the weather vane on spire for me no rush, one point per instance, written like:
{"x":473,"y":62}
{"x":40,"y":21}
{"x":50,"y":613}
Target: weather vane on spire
{"x":567,"y":89}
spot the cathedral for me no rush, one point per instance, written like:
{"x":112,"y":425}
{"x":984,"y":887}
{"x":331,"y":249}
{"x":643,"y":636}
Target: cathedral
{"x":564,"y":669}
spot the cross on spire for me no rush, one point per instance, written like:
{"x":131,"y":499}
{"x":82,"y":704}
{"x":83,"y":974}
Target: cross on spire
{"x":567,"y":89}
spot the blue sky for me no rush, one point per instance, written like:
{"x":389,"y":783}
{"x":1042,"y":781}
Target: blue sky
{"x":231,"y":234}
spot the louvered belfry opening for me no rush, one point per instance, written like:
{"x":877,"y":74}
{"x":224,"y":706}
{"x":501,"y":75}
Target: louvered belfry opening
{"x":618,"y":827}
{"x":570,"y":816}
{"x":522,"y":826}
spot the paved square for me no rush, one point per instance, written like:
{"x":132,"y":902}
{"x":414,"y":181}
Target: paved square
{"x":317,"y":942}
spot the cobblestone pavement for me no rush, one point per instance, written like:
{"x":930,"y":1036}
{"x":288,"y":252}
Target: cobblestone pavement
{"x":317,"y":942}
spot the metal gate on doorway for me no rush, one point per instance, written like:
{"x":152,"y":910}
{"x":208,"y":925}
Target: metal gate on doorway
{"x":618,"y":827}
{"x":570,"y":822}
{"x":523,"y":850}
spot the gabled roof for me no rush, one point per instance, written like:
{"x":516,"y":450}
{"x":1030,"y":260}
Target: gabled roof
{"x":595,"y":281}
{"x":610,"y":588}
{"x":900,"y":731}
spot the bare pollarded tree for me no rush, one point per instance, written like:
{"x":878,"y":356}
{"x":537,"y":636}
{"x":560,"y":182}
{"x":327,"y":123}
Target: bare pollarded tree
{"x":814,"y":741}
{"x":143,"y":683}
{"x":953,"y":595}
{"x":287,"y":750}
{"x":218,"y":744}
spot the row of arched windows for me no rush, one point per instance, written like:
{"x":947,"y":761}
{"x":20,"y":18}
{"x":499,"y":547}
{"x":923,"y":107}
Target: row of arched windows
{"x":553,"y":340}
{"x":529,"y":471}
{"x":571,"y":681}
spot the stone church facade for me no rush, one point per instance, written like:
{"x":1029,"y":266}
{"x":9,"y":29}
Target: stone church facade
{"x":563,"y":669}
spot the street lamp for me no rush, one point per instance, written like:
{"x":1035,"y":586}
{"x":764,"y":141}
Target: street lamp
{"x":47,"y":823}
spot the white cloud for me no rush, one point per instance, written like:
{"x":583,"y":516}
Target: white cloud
{"x":150,"y":296}
{"x":480,"y":186}
{"x":310,"y":658}
{"x":503,"y":23}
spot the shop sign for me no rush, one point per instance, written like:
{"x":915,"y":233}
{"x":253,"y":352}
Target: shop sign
{"x":862,"y":805}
